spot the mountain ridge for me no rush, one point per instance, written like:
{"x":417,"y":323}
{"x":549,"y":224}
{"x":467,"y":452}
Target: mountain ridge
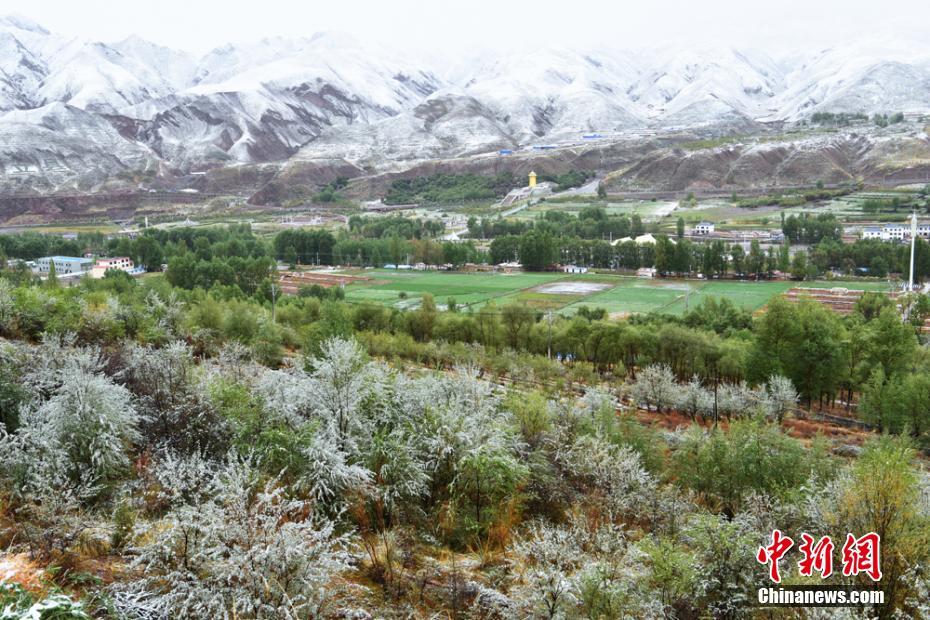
{"x":331,"y":96}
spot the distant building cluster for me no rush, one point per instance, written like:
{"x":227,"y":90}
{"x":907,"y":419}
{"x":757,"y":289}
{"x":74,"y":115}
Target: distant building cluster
{"x":69,"y":267}
{"x":895,"y":232}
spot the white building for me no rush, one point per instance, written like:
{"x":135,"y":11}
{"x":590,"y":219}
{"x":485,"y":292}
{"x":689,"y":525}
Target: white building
{"x":574,"y":269}
{"x":895,"y":232}
{"x":703,"y":228}
{"x":64,"y":265}
{"x":122,"y":263}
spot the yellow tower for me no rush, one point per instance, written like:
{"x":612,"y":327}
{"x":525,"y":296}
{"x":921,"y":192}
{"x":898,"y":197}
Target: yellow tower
{"x":532,"y":179}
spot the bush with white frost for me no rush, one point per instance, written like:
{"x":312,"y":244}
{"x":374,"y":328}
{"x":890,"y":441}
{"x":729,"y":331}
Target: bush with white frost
{"x":580,"y":570}
{"x":177,"y":414}
{"x":780,"y":397}
{"x":340,"y":376}
{"x":82,"y":432}
{"x":694,"y":399}
{"x":655,"y":387}
{"x":614,"y":474}
{"x":250,"y":551}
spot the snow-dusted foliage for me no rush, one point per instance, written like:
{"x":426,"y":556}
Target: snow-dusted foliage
{"x":780,"y":397}
{"x":694,"y":400}
{"x":288,"y":395}
{"x":399,"y":468}
{"x":168,"y":313}
{"x":724,"y":551}
{"x":736,"y":400}
{"x":614,"y":473}
{"x":329,"y":475}
{"x":577,"y":570}
{"x":340,"y":377}
{"x":82,"y":432}
{"x":247,"y":552}
{"x":177,"y":412}
{"x":181,"y":478}
{"x":655,"y":387}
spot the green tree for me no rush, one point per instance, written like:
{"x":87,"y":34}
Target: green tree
{"x":537,"y":251}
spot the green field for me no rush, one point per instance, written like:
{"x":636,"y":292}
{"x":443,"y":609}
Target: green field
{"x":468,"y":289}
{"x":617,"y":294}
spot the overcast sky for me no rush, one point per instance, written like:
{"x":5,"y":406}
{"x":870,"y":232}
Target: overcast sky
{"x":454,"y":25}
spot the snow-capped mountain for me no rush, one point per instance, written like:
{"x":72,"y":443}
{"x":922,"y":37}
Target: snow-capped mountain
{"x":66,"y":100}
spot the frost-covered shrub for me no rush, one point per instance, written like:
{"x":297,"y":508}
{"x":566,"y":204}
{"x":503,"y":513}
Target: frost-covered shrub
{"x":180,"y":479}
{"x":18,"y":604}
{"x":694,"y":400}
{"x":580,"y":570}
{"x":82,"y":432}
{"x":736,"y":400}
{"x":340,"y":384}
{"x":177,"y":413}
{"x":288,"y":396}
{"x":328,"y":475}
{"x":613,"y":474}
{"x":399,"y":471}
{"x":655,"y":386}
{"x":780,"y":397}
{"x":724,"y":550}
{"x":248,"y":552}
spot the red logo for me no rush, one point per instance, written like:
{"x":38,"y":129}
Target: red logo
{"x":774,"y":552}
{"x":817,"y":557}
{"x":860,"y":555}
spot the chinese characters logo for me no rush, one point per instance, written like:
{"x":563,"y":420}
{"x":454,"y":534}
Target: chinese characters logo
{"x":859,"y":555}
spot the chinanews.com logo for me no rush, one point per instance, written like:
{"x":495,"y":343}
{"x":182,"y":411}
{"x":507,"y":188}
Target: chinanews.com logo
{"x":859,"y":556}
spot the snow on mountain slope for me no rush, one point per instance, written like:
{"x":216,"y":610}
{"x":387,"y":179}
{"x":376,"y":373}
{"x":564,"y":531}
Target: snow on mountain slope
{"x":59,"y":146}
{"x":705,"y":84}
{"x":330,"y":96}
{"x":21,"y":73}
{"x":557,"y":91}
{"x":447,"y":123}
{"x":854,"y":79}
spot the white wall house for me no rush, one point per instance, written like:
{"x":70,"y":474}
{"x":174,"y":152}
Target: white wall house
{"x":64,"y":265}
{"x":703,"y":228}
{"x":122,"y":263}
{"x":574,"y":269}
{"x":895,"y":232}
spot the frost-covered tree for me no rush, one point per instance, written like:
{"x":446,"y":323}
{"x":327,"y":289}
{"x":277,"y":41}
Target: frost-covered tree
{"x":486,"y":478}
{"x":613,"y":474}
{"x":83,"y":431}
{"x":724,"y":551}
{"x":177,"y":413}
{"x":289,"y":396}
{"x":168,"y":314}
{"x":655,"y":386}
{"x":736,"y":400}
{"x":180,"y":479}
{"x":248,"y":552}
{"x":329,"y":474}
{"x":694,"y":400}
{"x":780,"y":397}
{"x":399,"y":473}
{"x":580,"y":570}
{"x":340,"y":377}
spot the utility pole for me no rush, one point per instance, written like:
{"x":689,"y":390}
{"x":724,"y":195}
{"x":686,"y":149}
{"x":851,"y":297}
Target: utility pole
{"x":549,"y":345}
{"x":910,"y":286}
{"x":274,"y":301}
